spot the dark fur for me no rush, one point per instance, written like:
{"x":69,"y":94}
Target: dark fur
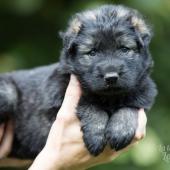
{"x":97,"y":42}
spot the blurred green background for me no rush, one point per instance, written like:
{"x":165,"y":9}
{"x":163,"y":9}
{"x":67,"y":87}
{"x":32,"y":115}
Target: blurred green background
{"x":29,"y":38}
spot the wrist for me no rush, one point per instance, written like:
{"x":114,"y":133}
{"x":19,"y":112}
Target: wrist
{"x":46,"y":160}
{"x":53,"y":160}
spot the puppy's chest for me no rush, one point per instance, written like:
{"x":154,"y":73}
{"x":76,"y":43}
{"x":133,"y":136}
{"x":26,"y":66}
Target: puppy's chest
{"x":113,"y":105}
{"x":108,"y":104}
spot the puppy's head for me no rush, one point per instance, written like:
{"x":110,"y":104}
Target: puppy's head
{"x":107,"y":48}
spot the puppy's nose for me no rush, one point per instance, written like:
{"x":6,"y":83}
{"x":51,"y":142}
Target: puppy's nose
{"x":111,"y":78}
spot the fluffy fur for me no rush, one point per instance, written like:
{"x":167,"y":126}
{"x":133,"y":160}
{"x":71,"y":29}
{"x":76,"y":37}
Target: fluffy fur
{"x":107,"y":49}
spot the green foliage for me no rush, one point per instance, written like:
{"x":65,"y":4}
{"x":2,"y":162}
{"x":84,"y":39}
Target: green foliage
{"x":29,"y":37}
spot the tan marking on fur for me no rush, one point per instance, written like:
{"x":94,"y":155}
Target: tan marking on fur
{"x":84,"y":48}
{"x":90,"y":15}
{"x":87,"y":45}
{"x":88,"y":41}
{"x":121,"y":12}
{"x":126,"y":41}
{"x":75,"y":25}
{"x":139,"y":24}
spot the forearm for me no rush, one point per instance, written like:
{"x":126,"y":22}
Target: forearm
{"x":45,"y":161}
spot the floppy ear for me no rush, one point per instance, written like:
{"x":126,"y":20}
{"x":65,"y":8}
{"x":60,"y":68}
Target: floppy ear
{"x":70,"y":34}
{"x":144,"y":33}
{"x":142,"y":29}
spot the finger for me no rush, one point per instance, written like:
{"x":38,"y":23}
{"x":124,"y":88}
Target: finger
{"x":1,"y":131}
{"x":140,"y":132}
{"x":72,"y":97}
{"x":141,"y":129}
{"x":6,"y":143}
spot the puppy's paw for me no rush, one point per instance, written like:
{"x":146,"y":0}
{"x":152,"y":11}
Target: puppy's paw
{"x":121,"y":128}
{"x":93,"y":125}
{"x":120,"y":136}
{"x":94,"y":143}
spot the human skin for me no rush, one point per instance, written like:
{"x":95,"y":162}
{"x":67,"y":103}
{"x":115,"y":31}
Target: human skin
{"x":65,"y":148}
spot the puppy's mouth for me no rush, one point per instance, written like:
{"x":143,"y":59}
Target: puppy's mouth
{"x":110,"y":90}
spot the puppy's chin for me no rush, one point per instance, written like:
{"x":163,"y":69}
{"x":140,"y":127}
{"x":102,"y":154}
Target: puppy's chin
{"x":99,"y":87}
{"x":106,"y":90}
{"x":109,"y":91}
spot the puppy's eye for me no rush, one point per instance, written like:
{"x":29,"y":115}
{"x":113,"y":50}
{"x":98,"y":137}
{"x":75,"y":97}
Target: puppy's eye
{"x":125,"y":49}
{"x":92,"y":52}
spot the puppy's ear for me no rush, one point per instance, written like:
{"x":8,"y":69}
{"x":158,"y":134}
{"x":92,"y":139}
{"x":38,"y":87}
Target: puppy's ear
{"x":71,"y":33}
{"x":141,"y":28}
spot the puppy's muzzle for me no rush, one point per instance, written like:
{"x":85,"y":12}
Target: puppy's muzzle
{"x":111,"y":78}
{"x":111,"y":72}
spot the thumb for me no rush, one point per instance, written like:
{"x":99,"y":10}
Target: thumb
{"x":141,"y":129}
{"x":71,"y":98}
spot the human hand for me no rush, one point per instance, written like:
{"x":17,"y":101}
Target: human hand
{"x":65,"y":148}
{"x":6,"y":137}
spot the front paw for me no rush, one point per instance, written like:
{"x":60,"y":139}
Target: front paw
{"x":120,"y":136}
{"x":95,"y":143}
{"x":121,"y":128}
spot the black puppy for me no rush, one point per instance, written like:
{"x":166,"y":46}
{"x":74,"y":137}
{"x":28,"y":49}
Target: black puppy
{"x":107,"y":49}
